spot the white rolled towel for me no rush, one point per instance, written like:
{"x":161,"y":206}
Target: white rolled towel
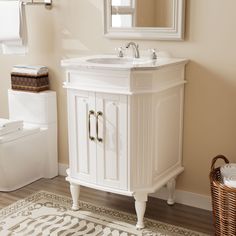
{"x":228,"y":172}
{"x":13,"y":32}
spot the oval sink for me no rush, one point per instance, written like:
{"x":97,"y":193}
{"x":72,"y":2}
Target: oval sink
{"x":118,"y":61}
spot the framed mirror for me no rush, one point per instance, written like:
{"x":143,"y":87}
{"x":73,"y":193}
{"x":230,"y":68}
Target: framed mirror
{"x":144,"y":19}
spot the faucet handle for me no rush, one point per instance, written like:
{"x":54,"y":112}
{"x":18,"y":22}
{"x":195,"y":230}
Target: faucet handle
{"x":153,"y":52}
{"x":120,"y":51}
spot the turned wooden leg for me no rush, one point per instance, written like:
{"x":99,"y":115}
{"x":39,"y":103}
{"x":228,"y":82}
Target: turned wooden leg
{"x":140,"y":207}
{"x":75,"y":189}
{"x":171,"y":192}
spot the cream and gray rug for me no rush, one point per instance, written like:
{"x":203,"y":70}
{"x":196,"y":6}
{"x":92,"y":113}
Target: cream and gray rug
{"x":48,"y":214}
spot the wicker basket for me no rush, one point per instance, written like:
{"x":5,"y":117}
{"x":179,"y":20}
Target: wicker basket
{"x":31,"y":83}
{"x":223,"y":202}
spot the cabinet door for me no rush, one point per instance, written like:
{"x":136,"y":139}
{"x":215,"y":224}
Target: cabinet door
{"x":82,"y":148}
{"x":112,"y":164}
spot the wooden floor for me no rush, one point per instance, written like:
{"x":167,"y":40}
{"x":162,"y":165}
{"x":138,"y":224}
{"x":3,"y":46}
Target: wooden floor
{"x":180,"y":215}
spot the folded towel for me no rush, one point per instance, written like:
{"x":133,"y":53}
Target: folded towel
{"x":13,"y":33}
{"x":30,"y":70}
{"x":9,"y":20}
{"x":9,"y":126}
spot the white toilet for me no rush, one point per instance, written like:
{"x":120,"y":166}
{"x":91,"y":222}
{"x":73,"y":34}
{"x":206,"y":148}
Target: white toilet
{"x":28,"y":149}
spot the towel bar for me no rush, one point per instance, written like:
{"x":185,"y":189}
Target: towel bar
{"x":47,"y":3}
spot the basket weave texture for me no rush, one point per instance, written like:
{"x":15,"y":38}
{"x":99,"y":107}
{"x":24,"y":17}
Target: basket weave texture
{"x":223,"y":202}
{"x":32,"y":83}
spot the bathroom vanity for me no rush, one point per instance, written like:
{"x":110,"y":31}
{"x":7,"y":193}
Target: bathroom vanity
{"x":125,"y":119}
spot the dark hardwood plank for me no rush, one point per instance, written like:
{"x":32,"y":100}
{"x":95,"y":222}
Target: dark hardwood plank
{"x":180,"y":215}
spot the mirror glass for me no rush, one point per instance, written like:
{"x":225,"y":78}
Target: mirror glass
{"x":141,"y":13}
{"x":152,"y":19}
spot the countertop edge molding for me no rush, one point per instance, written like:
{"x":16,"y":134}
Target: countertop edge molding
{"x":124,"y":92}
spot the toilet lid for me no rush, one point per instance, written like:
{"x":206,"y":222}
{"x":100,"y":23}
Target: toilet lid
{"x":27,"y":130}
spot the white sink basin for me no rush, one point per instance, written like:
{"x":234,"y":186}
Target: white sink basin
{"x":118,"y":61}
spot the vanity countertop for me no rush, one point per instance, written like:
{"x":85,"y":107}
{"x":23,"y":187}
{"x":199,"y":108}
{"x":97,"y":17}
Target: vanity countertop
{"x":112,"y":62}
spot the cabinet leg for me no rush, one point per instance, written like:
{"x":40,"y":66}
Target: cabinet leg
{"x":75,"y":189}
{"x":140,"y":207}
{"x":171,"y":192}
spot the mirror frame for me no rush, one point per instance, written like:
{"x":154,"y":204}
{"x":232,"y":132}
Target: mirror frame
{"x":176,"y":32}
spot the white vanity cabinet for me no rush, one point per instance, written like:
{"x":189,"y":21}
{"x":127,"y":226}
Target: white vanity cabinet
{"x":125,"y":127}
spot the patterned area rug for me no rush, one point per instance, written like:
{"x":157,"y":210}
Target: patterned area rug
{"x":44,"y":214}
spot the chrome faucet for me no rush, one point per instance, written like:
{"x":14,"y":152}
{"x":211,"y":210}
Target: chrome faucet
{"x":135,"y":49}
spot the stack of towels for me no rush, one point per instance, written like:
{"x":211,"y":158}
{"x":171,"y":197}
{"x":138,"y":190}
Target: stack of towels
{"x":10,"y":126}
{"x":30,"y":70}
{"x":13,"y":33}
{"x":228,"y":173}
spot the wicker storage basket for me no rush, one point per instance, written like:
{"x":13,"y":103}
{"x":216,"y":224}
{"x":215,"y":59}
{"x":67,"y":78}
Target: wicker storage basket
{"x":31,"y":83}
{"x":223,"y":202}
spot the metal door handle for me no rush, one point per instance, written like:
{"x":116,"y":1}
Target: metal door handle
{"x":89,"y":125}
{"x":99,"y":113}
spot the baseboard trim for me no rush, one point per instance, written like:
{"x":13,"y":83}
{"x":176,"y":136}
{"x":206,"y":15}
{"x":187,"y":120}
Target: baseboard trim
{"x":186,"y":198}
{"x":182,"y":197}
{"x":62,"y":169}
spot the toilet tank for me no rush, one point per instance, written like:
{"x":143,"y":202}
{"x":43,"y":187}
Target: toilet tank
{"x":34,"y":108}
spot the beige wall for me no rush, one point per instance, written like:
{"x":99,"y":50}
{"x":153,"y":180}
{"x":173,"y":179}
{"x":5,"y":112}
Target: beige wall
{"x":75,"y":27}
